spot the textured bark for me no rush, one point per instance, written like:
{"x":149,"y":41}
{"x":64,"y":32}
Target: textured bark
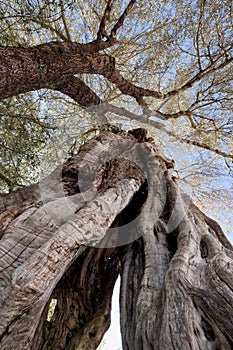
{"x":53,"y":66}
{"x":42,"y":66}
{"x":113,"y":208}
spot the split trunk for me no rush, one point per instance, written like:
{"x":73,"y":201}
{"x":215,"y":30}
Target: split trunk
{"x":114,"y":208}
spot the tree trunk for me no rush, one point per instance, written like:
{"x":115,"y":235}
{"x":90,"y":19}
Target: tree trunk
{"x":114,"y":208}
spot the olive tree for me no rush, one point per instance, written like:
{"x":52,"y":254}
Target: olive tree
{"x":114,"y":205}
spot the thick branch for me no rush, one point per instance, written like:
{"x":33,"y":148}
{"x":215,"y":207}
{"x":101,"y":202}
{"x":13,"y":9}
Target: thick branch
{"x":53,"y":64}
{"x":128,"y":88}
{"x":78,"y":90}
{"x":28,"y":69}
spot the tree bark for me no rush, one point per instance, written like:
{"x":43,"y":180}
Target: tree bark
{"x":52,"y":65}
{"x":114,"y":208}
{"x":27,"y":69}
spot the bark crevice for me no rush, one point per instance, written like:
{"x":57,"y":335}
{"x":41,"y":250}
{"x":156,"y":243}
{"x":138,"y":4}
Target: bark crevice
{"x":114,"y":208}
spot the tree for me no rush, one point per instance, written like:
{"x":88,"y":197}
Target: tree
{"x":115,"y":206}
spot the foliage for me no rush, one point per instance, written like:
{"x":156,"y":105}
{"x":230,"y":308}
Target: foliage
{"x":23,"y":134}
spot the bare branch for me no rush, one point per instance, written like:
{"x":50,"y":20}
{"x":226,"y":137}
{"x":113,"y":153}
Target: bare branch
{"x":207,"y":147}
{"x":121,"y":111}
{"x":49,"y":27}
{"x":200,"y":75}
{"x":105,"y":18}
{"x":197,"y":35}
{"x":121,"y":20}
{"x":104,"y":108}
{"x":161,"y":127}
{"x":193,"y":142}
{"x":64,"y":21}
{"x":209,"y":53}
{"x":166,"y":116}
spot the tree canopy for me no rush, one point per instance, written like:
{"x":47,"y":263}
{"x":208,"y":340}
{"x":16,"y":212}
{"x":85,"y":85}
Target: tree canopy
{"x":79,"y":65}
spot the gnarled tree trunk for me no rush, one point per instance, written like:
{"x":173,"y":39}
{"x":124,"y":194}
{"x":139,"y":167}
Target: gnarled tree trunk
{"x":114,"y":208}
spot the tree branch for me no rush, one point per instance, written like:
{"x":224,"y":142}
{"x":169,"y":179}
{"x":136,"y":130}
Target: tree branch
{"x":8,"y":181}
{"x":77,"y":90}
{"x":122,"y":18}
{"x":48,"y":66}
{"x":128,"y":88}
{"x":64,"y":21}
{"x":198,"y":33}
{"x":102,"y":28}
{"x":86,"y":97}
{"x":33,"y":68}
{"x":200,"y":75}
{"x":160,"y":126}
{"x":207,"y":147}
{"x":139,"y":93}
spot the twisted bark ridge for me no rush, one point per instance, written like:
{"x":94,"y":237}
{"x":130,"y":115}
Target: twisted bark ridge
{"x":114,"y":208}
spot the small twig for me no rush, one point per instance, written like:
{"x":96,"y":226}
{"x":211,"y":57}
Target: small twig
{"x":209,"y":148}
{"x":120,"y":21}
{"x":64,"y":21}
{"x":197,"y":35}
{"x":49,"y":27}
{"x":105,"y":18}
